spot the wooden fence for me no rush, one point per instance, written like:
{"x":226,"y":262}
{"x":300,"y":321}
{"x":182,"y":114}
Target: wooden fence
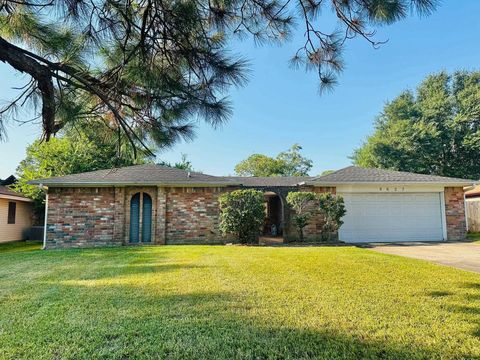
{"x":473,"y":215}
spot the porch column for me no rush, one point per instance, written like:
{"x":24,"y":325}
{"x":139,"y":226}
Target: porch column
{"x":161,"y":225}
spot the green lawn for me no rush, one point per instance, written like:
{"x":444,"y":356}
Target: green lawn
{"x":206,"y":302}
{"x":474,"y":237}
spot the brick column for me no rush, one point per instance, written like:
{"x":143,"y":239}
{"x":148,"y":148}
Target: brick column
{"x":119,"y":215}
{"x":455,"y":213}
{"x":161,"y":216}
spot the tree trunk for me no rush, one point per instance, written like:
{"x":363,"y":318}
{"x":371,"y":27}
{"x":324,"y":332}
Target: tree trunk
{"x":19,"y":60}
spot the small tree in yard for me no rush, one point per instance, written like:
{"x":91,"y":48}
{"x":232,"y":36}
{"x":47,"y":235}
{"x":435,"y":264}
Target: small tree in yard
{"x":333,"y":209}
{"x":242,"y":213}
{"x":301,"y":202}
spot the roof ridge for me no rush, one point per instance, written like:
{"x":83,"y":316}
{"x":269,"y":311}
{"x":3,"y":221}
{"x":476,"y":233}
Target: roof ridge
{"x":335,"y":171}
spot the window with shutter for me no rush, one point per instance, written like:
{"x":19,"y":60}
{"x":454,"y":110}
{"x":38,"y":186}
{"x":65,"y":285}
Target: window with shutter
{"x":12,"y":209}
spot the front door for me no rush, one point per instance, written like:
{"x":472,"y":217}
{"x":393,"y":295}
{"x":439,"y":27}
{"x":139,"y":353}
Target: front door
{"x":140,"y":208}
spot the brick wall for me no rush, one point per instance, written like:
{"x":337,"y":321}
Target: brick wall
{"x":84,"y":217}
{"x":79,"y":217}
{"x":192,"y":215}
{"x":455,"y":213}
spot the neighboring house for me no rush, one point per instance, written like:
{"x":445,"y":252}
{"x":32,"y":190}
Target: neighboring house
{"x":16,"y":215}
{"x":159,"y":205}
{"x":473,"y":193}
{"x":472,"y":202}
{"x":8,"y":181}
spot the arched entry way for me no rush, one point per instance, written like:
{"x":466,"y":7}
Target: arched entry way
{"x":274,"y":215}
{"x":276,"y":211}
{"x":140,"y":218}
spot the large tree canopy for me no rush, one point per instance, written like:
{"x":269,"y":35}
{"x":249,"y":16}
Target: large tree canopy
{"x":435,"y":130}
{"x":287,"y":163}
{"x":148,"y":68}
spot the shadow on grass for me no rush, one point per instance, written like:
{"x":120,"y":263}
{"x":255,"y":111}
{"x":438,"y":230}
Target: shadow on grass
{"x":19,"y":246}
{"x":89,"y":308}
{"x":94,"y":323}
{"x":470,"y":311}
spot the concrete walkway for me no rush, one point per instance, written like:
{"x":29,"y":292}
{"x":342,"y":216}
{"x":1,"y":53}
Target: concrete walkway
{"x":462,"y":255}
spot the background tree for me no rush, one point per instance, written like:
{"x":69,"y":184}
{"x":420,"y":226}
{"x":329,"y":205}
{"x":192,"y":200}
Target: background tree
{"x":301,"y":202}
{"x":435,"y":130}
{"x":287,"y":163}
{"x":259,"y":165}
{"x":333,"y":210}
{"x":294,"y":164}
{"x":183,"y":164}
{"x":147,"y":68}
{"x":242,"y":212}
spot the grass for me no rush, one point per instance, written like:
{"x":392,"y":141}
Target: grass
{"x":475,"y":237}
{"x":214,"y":302}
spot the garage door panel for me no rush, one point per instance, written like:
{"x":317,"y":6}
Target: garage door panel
{"x":392,"y":217}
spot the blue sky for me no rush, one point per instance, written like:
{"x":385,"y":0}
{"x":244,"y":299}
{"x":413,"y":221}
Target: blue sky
{"x":280,"y":106}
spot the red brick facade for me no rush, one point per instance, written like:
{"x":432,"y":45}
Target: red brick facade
{"x":80,"y":217}
{"x":455,"y":213}
{"x":192,"y":215}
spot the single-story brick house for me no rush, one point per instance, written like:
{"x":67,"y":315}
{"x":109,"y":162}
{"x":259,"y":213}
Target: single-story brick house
{"x":16,"y":215}
{"x":160,"y":205}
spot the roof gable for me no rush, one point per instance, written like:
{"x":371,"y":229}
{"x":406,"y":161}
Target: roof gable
{"x":355,"y":174}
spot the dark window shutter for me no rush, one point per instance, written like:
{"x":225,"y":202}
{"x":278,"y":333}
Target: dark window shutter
{"x":135,"y":218}
{"x":147,"y":219}
{"x":12,"y":209}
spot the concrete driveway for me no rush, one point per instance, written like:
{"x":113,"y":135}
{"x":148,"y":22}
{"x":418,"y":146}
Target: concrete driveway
{"x":462,"y":255}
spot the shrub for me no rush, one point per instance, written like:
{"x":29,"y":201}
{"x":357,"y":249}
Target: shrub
{"x":242,"y":213}
{"x":301,"y":202}
{"x":332,"y":209}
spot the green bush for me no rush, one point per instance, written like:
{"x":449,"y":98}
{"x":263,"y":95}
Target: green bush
{"x":332,"y":209}
{"x":301,"y":202}
{"x":242,"y":213}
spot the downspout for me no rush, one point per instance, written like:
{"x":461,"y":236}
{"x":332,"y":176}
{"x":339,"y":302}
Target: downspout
{"x":45,"y":223}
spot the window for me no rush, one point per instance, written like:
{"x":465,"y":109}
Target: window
{"x":12,"y":209}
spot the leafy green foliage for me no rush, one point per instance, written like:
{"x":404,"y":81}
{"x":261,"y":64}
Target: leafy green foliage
{"x":259,"y":165}
{"x":301,"y":202}
{"x":287,"y":163}
{"x":149,"y":68}
{"x":332,"y":209}
{"x":183,"y":164}
{"x":435,"y":130}
{"x":242,"y":212}
{"x":326,"y":172}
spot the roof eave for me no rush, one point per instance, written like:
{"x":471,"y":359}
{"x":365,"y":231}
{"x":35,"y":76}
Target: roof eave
{"x":337,"y":183}
{"x":130,"y":183}
{"x":14,"y":197}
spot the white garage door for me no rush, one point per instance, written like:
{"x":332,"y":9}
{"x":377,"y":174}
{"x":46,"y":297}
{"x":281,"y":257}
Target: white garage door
{"x":392,"y":217}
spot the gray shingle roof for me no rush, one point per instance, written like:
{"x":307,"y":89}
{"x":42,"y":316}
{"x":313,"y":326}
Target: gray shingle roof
{"x":354,"y":174}
{"x":8,"y":192}
{"x":148,"y":174}
{"x":151,"y":174}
